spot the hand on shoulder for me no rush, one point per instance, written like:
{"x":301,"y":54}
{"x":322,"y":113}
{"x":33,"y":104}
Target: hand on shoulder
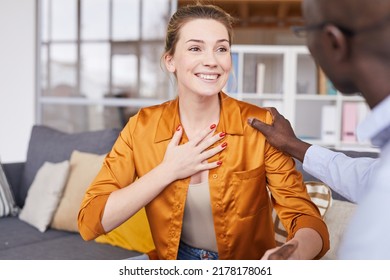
{"x":281,"y":135}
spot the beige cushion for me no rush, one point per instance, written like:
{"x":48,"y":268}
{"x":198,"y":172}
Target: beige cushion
{"x":337,"y":219}
{"x":320,"y":194}
{"x":44,"y":194}
{"x":83,"y":169}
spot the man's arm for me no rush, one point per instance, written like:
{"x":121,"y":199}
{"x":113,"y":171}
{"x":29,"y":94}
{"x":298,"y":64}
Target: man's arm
{"x":347,"y":176}
{"x":281,"y":135}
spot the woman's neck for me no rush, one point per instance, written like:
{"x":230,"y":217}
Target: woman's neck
{"x":196,"y":115}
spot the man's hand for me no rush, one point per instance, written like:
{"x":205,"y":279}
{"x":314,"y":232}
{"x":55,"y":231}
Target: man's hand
{"x":285,"y":252}
{"x":281,"y":135}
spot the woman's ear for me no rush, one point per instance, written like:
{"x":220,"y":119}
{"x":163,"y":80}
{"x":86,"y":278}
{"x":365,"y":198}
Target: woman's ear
{"x":169,"y":63}
{"x":336,"y":42}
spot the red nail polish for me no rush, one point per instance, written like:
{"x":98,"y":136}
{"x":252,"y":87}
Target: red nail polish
{"x":213,"y":126}
{"x":178,"y":127}
{"x":222,"y":134}
{"x":224,"y":144}
{"x":219,"y":163}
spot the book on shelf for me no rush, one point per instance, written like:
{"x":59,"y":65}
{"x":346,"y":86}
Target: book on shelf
{"x":330,"y":89}
{"x":303,"y":87}
{"x":328,"y":123}
{"x":325,"y":86}
{"x":232,"y":83}
{"x":350,"y":121}
{"x":260,"y":78}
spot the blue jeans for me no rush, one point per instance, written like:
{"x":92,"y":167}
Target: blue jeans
{"x":187,"y":252}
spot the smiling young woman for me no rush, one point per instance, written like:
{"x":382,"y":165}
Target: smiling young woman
{"x":201,"y":172}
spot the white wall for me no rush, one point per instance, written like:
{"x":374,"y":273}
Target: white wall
{"x":17,"y":77}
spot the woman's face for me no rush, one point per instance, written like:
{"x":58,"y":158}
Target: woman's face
{"x":202,"y":59}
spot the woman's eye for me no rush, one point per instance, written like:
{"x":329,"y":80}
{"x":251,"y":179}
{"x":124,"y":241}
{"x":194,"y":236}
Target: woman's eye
{"x":194,"y":49}
{"x":222,"y":49}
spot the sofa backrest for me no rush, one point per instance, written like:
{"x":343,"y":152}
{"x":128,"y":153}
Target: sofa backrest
{"x":48,"y":144}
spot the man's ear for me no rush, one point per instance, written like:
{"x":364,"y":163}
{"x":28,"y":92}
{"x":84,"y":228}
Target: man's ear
{"x":169,"y":63}
{"x":337,"y":42}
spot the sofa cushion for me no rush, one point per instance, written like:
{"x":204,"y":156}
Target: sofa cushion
{"x":44,"y":194}
{"x":7,"y":201}
{"x":83,"y":169}
{"x":13,"y":172}
{"x":16,"y":233}
{"x":337,"y":219}
{"x":20,"y":241}
{"x":48,"y":144}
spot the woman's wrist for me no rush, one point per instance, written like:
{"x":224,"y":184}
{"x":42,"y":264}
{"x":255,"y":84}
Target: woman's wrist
{"x":165,"y":174}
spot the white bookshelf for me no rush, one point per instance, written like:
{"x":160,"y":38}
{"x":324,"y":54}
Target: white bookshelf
{"x":291,"y":84}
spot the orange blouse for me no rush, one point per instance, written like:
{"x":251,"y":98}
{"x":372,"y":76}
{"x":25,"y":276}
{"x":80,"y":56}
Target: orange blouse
{"x":240,"y":201}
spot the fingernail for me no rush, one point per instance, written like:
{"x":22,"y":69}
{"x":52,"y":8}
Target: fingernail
{"x":222,"y":134}
{"x":213,"y":126}
{"x":250,"y":120}
{"x":219,"y":163}
{"x":224,"y":144}
{"x":178,"y":127}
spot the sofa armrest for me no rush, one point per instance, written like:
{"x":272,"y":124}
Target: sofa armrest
{"x":14,"y":172}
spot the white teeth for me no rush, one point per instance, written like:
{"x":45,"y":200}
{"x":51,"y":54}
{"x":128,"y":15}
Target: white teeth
{"x":208,"y":77}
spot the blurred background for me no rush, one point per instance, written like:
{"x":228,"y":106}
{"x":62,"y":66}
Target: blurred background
{"x":79,"y":65}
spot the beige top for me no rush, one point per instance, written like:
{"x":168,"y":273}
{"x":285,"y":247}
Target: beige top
{"x":198,"y":226}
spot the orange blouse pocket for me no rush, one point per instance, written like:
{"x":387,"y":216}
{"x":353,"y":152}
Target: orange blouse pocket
{"x":250,"y":192}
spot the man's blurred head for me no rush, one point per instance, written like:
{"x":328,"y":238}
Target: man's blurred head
{"x":346,"y":37}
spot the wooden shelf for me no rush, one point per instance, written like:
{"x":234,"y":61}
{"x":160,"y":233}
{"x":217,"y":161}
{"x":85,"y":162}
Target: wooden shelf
{"x":260,"y":13}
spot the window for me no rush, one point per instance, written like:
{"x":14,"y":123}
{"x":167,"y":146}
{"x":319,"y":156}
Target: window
{"x":99,"y":61}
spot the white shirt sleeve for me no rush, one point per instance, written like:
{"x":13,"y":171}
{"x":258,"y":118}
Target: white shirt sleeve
{"x":366,"y":236}
{"x":345,"y":175}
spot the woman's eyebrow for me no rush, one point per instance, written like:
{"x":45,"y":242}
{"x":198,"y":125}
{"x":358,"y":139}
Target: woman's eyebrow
{"x":202,"y":42}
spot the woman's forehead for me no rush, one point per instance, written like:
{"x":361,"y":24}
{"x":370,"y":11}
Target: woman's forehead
{"x":203,"y":29}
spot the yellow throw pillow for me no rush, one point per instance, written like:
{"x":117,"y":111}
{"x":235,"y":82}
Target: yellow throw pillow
{"x":320,"y":194}
{"x":134,"y":234}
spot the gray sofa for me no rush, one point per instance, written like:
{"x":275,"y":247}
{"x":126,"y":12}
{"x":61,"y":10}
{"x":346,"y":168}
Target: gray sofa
{"x":21,"y":241}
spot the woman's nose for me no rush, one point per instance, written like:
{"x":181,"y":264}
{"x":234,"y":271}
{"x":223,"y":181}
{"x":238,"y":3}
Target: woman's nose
{"x":209,"y":59}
